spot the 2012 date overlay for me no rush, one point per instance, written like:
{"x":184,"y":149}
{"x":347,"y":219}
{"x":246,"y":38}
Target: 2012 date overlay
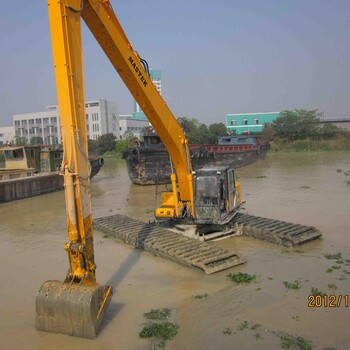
{"x":328,"y":300}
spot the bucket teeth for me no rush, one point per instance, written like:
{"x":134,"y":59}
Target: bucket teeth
{"x":71,"y":308}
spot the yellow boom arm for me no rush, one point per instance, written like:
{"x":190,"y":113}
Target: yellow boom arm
{"x":101,"y":20}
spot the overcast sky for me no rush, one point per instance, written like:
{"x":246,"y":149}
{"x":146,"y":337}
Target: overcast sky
{"x":216,"y":56}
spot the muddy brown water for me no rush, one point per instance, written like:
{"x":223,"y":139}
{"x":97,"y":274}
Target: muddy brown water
{"x":298,"y":187}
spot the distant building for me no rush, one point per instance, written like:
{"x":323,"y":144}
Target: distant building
{"x":7,"y":135}
{"x":249,"y":122}
{"x":101,"y":118}
{"x":156,"y":77}
{"x":127,"y":124}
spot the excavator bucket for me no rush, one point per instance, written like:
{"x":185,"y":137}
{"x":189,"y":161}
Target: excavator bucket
{"x":71,"y":309}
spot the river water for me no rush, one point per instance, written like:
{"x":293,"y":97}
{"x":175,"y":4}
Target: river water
{"x":306,"y":188}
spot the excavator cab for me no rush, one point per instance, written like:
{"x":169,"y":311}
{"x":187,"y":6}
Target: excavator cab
{"x":217,"y":196}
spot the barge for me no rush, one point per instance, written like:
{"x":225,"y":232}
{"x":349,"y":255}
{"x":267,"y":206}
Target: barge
{"x":148,"y":162}
{"x":27,"y":171}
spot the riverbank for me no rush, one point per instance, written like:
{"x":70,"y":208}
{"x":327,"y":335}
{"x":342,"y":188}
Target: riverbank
{"x":310,"y":145}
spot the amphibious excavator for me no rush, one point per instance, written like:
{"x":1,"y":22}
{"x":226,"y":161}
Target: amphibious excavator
{"x":208,"y":196}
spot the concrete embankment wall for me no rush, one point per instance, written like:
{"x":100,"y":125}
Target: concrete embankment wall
{"x":28,"y":187}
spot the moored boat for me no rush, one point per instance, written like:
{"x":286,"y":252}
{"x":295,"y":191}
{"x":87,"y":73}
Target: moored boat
{"x":27,"y":171}
{"x":148,"y":162}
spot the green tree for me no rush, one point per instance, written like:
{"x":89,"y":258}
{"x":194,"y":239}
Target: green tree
{"x":216,"y":130}
{"x":127,"y":142}
{"x":104,"y":143}
{"x":297,"y":124}
{"x":148,"y":130}
{"x":196,"y":132}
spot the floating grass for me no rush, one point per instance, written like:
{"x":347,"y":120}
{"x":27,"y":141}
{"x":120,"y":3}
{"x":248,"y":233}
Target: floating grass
{"x":201,"y":296}
{"x":292,"y":285}
{"x":241,"y":277}
{"x":316,"y":291}
{"x":337,"y":256}
{"x":161,"y":330}
{"x":158,"y":314}
{"x":289,"y":341}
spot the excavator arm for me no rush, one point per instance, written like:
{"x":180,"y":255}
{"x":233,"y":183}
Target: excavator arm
{"x":76,"y":305}
{"x":104,"y":25}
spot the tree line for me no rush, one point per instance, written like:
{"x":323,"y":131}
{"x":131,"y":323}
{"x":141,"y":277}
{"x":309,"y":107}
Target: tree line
{"x":298,"y":124}
{"x":301,"y":124}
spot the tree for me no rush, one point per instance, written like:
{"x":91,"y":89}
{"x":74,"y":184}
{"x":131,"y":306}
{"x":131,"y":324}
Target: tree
{"x":216,"y":130}
{"x":104,"y":143}
{"x":127,"y":142}
{"x":148,"y":130}
{"x":297,"y":124}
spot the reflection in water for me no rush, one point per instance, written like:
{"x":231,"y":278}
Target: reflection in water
{"x":297,"y":187}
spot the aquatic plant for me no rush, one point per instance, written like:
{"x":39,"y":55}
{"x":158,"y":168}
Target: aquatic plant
{"x":316,"y":291}
{"x":337,"y":256}
{"x":292,"y":285}
{"x":158,"y":314}
{"x":241,"y":277}
{"x":243,"y":325}
{"x":201,"y":296}
{"x":161,"y":330}
{"x":227,"y":331}
{"x":289,"y":341}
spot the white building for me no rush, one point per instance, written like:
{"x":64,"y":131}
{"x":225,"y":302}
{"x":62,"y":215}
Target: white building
{"x":7,"y":134}
{"x":101,"y":118}
{"x":128,"y":124}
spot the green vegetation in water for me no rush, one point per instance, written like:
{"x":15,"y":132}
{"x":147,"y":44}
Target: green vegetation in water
{"x":289,"y":341}
{"x":337,"y":256}
{"x":201,"y":296}
{"x":260,"y":177}
{"x":336,"y":267}
{"x":332,"y":286}
{"x":247,"y":325}
{"x":305,"y":187}
{"x":160,"y":330}
{"x":316,"y":291}
{"x":258,"y":336}
{"x":243,"y":325}
{"x":339,"y":170}
{"x":339,"y":262}
{"x":105,"y":236}
{"x":292,"y":285}
{"x":329,"y":270}
{"x":158,"y":314}
{"x":241,"y":277}
{"x":227,"y":331}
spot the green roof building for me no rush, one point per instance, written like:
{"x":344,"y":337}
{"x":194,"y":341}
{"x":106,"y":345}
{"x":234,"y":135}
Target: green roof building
{"x":245,"y":123}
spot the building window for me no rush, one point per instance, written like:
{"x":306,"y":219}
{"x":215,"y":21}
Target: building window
{"x":24,"y":122}
{"x":37,"y":121}
{"x":46,"y":120}
{"x":31,"y":121}
{"x":233,"y":122}
{"x":53,"y":119}
{"x":256,"y":121}
{"x":245,"y":121}
{"x":17,"y":123}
